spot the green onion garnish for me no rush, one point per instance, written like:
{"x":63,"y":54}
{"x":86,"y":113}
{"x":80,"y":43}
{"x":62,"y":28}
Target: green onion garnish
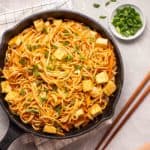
{"x":102,"y":17}
{"x":113,"y":0}
{"x":58,"y":109}
{"x":127,"y":21}
{"x":22,"y":92}
{"x":96,"y":5}
{"x":107,"y":3}
{"x":68,"y":57}
{"x":35,"y":70}
{"x":65,"y":43}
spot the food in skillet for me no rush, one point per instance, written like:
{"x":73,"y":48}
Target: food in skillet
{"x":59,"y":75}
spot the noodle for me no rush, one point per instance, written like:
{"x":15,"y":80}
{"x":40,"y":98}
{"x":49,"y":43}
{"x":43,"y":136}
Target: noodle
{"x":59,"y":75}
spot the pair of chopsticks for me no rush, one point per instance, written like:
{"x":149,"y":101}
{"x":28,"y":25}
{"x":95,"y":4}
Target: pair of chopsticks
{"x":139,"y":89}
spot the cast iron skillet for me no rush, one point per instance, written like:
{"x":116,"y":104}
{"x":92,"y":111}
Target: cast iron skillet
{"x":17,"y":127}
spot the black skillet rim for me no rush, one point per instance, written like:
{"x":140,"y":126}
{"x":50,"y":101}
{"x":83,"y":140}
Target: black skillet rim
{"x":94,"y":123}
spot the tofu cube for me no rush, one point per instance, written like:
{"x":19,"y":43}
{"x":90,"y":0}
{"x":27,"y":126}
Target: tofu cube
{"x":57,"y":22}
{"x":15,"y":41}
{"x":96,"y":92}
{"x":11,"y":96}
{"x":87,"y":85}
{"x":109,"y":88}
{"x":47,"y":23}
{"x":49,"y":129}
{"x":79,"y":112}
{"x":18,"y":40}
{"x":60,"y":54}
{"x":102,"y":42}
{"x":39,"y":25}
{"x":93,"y":33}
{"x":95,"y":110}
{"x":102,"y":77}
{"x":5,"y":87}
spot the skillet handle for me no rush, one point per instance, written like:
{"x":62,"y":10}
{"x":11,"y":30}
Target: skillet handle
{"x":13,"y":133}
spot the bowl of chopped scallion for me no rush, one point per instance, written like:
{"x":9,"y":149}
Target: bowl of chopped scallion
{"x":127,"y":21}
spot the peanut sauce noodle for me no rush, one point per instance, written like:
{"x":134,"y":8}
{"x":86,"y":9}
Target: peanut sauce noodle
{"x":59,"y":75}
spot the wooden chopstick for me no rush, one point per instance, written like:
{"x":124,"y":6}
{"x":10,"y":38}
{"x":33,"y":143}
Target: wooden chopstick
{"x":136,"y":105}
{"x":125,"y":108}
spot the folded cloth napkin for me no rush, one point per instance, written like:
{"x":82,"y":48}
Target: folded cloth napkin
{"x":50,"y":144}
{"x":13,"y":11}
{"x":90,"y":138}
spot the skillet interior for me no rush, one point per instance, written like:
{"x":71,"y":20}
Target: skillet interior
{"x":63,"y":14}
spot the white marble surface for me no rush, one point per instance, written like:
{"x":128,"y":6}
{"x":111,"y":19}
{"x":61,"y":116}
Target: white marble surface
{"x":136,"y":58}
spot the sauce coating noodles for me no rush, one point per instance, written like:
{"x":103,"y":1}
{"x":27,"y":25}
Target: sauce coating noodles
{"x":59,"y":75}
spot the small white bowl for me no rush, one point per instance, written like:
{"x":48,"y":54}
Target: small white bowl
{"x":118,"y":35}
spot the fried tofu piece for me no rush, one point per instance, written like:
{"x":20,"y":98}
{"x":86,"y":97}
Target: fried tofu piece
{"x":102,"y":77}
{"x":93,"y":33}
{"x":47,"y":23}
{"x":87,"y":85}
{"x":11,"y":96}
{"x":95,"y":110}
{"x":5,"y":87}
{"x":96,"y":92}
{"x":109,"y":88}
{"x":102,"y":42}
{"x":49,"y":129}
{"x":39,"y":25}
{"x":60,"y":54}
{"x":15,"y":41}
{"x":57,"y":22}
{"x":79,"y":112}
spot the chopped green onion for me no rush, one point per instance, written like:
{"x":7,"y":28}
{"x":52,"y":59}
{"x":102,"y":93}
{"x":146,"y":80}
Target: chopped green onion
{"x":82,"y":57}
{"x":29,"y":47}
{"x":43,"y":99}
{"x":107,"y":3}
{"x":22,"y":92}
{"x":78,"y":67}
{"x":46,"y":54}
{"x":65,"y":43}
{"x":23,"y":61}
{"x":32,"y":47}
{"x":66,"y":34}
{"x":68,"y":57}
{"x":29,"y":99}
{"x":35,"y":70}
{"x":32,"y":110}
{"x":102,"y":17}
{"x":76,"y":49}
{"x":49,"y":68}
{"x":127,"y":21}
{"x":76,"y":34}
{"x":45,"y":31}
{"x":65,"y":31}
{"x":58,"y":109}
{"x":96,"y":5}
{"x":54,"y":46}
